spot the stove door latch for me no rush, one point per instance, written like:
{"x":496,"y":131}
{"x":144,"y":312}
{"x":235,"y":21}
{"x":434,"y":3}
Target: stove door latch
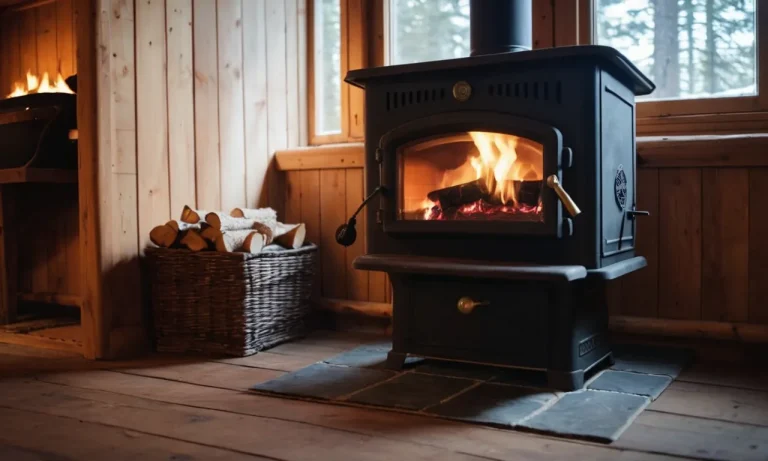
{"x":568,"y":202}
{"x":346,"y":234}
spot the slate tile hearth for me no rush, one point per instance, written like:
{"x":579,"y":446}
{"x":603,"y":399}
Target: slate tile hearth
{"x":499,"y":397}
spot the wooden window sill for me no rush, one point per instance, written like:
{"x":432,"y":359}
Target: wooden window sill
{"x":737,"y":150}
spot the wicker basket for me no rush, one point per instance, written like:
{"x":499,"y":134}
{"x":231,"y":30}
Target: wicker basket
{"x":229,"y":303}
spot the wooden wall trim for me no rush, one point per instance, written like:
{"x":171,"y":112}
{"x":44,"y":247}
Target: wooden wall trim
{"x":743,"y":332}
{"x":699,"y":329}
{"x":331,"y":156}
{"x":740,"y":150}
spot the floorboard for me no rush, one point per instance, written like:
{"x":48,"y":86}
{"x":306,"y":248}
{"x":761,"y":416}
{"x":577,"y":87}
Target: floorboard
{"x":199,"y":408}
{"x":21,"y":434}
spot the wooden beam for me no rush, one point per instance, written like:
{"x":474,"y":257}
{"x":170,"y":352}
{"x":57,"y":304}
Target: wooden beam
{"x":742,"y":332}
{"x":346,"y":306}
{"x":91,"y":312}
{"x":330,"y":156}
{"x":52,"y":298}
{"x":699,"y":329}
{"x":740,"y":150}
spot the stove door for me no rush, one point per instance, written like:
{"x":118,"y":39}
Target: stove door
{"x":471,"y":173}
{"x":618,"y":167}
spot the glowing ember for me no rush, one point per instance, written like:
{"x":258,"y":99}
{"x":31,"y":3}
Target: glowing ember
{"x":482,"y":210}
{"x":40,"y":85}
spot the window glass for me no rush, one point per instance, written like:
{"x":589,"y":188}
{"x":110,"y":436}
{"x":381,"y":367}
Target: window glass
{"x":327,"y":66}
{"x":428,"y":30}
{"x":689,"y":48}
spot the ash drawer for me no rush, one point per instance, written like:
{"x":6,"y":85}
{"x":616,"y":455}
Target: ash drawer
{"x":511,"y":321}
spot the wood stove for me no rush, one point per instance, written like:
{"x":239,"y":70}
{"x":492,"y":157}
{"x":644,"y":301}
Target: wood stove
{"x":507,"y":197}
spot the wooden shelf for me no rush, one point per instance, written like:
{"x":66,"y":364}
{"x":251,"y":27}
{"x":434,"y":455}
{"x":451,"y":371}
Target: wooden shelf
{"x":52,"y":298}
{"x":37,"y":175}
{"x":66,"y":338}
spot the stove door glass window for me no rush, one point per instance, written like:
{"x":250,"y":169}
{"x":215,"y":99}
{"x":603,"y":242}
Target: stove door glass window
{"x":471,"y":176}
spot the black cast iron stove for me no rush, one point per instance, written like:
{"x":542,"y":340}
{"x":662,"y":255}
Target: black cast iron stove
{"x":507,"y":197}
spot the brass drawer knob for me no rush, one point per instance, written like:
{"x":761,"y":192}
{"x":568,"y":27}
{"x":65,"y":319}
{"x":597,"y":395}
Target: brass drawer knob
{"x":466,"y":304}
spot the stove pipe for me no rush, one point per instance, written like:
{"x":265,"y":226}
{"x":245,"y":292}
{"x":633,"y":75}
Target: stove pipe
{"x":500,"y":26}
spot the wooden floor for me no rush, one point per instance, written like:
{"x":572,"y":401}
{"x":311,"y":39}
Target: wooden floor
{"x":58,"y":407}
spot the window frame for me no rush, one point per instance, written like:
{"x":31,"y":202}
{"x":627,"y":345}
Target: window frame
{"x":365,"y":32}
{"x":691,"y":116}
{"x":354,"y":55}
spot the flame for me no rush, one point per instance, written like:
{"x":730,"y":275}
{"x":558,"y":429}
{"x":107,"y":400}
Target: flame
{"x":40,"y":85}
{"x":500,"y":162}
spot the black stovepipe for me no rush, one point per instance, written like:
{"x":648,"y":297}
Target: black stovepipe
{"x":346,"y":234}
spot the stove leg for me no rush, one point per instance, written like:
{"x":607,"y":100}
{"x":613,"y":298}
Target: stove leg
{"x":565,"y":380}
{"x":396,"y":360}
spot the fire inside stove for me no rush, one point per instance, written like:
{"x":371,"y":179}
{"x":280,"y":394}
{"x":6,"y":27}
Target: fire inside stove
{"x":471,"y":176}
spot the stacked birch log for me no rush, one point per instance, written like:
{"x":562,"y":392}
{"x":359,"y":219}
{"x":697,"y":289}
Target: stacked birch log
{"x":249,"y":230}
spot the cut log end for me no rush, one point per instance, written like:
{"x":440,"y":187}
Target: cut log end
{"x":193,"y":241}
{"x":163,"y":236}
{"x":254,"y":243}
{"x":293,"y":237}
{"x":188,"y":215}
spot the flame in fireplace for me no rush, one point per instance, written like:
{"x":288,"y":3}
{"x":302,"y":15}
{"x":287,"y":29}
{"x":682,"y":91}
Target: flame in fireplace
{"x":500,"y":163}
{"x":40,"y":85}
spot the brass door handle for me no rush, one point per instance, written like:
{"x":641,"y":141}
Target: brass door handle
{"x":570,"y":205}
{"x":466,"y":304}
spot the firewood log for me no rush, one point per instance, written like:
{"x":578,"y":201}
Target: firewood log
{"x":267,"y":230}
{"x":291,"y":235}
{"x":167,"y":235}
{"x":259,"y":214}
{"x":188,"y":215}
{"x":192,"y":240}
{"x":248,"y":241}
{"x":210,"y":234}
{"x":228,"y":223}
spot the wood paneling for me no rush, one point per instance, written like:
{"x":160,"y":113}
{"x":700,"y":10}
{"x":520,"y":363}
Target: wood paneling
{"x":758,"y":246}
{"x":725,"y":234}
{"x":680,"y":243}
{"x":186,"y":116}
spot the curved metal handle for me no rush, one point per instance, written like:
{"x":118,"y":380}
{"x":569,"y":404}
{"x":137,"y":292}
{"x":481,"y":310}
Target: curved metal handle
{"x":570,"y":205}
{"x":466,"y":304}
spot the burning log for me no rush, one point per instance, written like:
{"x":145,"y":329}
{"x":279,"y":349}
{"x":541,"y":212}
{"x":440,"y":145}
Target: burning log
{"x":526,"y":193}
{"x":461,"y":194}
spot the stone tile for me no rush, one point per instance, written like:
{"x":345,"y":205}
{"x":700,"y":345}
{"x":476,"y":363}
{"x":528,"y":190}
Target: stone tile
{"x":368,"y":356}
{"x":591,"y":415}
{"x":631,"y":383}
{"x":496,"y":404}
{"x":324,"y":381}
{"x":412,"y":391}
{"x":651,"y":359}
{"x":520,"y":377}
{"x":457,"y":370}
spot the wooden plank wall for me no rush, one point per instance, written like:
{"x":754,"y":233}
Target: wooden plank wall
{"x":705,"y":241}
{"x":40,"y":40}
{"x":207,"y":126}
{"x":195,"y":96}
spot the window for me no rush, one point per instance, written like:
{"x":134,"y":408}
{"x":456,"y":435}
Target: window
{"x":705,"y":56}
{"x":428,"y":30}
{"x":691,"y":49}
{"x":327,"y":67}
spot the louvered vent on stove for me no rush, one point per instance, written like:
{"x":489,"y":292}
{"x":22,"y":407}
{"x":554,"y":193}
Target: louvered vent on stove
{"x":401,"y":99}
{"x":536,"y":91}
